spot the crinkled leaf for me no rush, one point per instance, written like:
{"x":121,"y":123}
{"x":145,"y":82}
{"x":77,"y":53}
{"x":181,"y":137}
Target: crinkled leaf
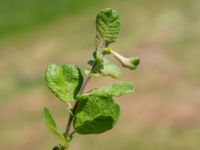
{"x":64,"y":81}
{"x":51,"y":126}
{"x":107,"y":26}
{"x":115,"y":89}
{"x":95,"y":114}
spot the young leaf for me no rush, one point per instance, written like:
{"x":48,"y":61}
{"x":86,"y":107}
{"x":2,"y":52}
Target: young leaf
{"x":64,"y":81}
{"x":95,"y":114}
{"x":51,"y":126}
{"x":106,"y":68}
{"x":115,"y":89}
{"x":110,"y":69}
{"x":107,"y":26}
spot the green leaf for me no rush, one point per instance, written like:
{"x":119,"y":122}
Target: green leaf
{"x":95,"y":115}
{"x":107,"y":26}
{"x":104,"y":68}
{"x":64,"y":81}
{"x":115,"y":89}
{"x":56,"y":148}
{"x":110,"y":69}
{"x":51,"y":126}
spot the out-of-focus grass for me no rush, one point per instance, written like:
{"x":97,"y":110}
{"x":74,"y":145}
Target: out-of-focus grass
{"x":164,"y":111}
{"x":18,"y":16}
{"x":147,"y":138}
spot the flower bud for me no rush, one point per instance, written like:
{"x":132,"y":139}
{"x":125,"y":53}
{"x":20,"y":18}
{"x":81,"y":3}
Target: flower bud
{"x":106,"y":51}
{"x":130,"y":63}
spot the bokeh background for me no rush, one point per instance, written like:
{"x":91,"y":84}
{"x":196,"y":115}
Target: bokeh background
{"x":163,"y":113}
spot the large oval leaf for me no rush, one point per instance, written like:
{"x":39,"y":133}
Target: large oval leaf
{"x":95,"y":115}
{"x":64,"y":81}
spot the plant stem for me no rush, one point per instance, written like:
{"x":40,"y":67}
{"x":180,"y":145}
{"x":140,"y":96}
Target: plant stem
{"x":72,"y":133}
{"x":67,"y":131}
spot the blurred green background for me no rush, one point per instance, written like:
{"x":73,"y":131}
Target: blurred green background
{"x":163,"y":113}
